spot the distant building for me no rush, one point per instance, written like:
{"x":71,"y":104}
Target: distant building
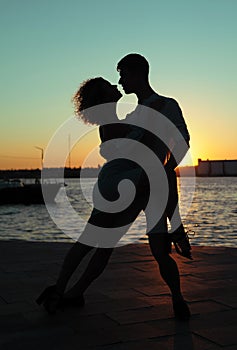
{"x":216,"y":168}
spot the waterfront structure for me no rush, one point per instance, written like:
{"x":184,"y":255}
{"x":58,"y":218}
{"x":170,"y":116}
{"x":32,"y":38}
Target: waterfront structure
{"x":216,"y":168}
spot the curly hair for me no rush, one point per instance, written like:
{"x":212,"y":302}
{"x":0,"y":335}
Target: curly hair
{"x":89,"y":94}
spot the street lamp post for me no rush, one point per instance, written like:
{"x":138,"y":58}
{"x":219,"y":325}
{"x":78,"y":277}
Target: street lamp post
{"x":42,"y":155}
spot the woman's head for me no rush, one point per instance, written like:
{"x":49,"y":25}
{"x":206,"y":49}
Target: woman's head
{"x":94,"y":92}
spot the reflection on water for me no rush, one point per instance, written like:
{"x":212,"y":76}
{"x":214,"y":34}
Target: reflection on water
{"x":212,"y":214}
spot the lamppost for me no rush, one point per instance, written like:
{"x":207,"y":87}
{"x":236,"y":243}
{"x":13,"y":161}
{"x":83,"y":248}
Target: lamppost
{"x":42,"y":155}
{"x":69,"y":151}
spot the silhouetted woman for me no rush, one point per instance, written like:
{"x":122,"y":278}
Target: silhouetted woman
{"x":94,"y":92}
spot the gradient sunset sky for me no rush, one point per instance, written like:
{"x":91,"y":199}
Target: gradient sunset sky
{"x":49,"y":47}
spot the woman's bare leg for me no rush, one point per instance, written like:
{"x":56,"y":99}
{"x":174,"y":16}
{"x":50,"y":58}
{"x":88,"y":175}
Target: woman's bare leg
{"x":73,"y":258}
{"x":96,"y":266}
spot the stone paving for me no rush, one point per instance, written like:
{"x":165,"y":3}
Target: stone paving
{"x":128,"y":307}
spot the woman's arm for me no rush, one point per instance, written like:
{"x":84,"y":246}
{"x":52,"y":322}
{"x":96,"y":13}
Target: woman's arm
{"x":119,"y":135}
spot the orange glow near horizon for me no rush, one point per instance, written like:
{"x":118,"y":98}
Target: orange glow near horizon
{"x":87,"y":158}
{"x":86,"y":153}
{"x":23,"y":154}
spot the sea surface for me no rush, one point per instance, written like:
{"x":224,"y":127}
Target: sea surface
{"x":211,"y":216}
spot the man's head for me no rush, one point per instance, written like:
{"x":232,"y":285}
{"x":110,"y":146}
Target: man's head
{"x":133,"y":70}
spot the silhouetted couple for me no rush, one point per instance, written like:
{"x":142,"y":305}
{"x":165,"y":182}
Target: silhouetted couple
{"x":122,"y":138}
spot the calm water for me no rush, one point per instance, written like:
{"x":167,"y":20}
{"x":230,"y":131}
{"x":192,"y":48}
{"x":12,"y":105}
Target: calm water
{"x":212,"y":214}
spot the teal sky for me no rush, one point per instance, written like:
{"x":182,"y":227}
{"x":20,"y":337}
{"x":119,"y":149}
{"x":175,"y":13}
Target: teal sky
{"x":49,"y":47}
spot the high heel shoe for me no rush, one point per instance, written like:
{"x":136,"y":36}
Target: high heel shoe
{"x":181,"y":243}
{"x":50,"y":299}
{"x":41,"y":298}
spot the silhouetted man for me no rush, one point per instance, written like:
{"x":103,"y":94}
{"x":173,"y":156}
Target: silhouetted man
{"x":134,"y":71}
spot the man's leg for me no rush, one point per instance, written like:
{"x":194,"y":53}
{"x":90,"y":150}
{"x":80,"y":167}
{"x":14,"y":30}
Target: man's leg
{"x":169,"y":272}
{"x":168,"y":268}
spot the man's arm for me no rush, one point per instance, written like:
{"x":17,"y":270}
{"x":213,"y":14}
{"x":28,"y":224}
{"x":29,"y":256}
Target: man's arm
{"x":180,"y":150}
{"x":179,"y":139}
{"x":174,"y":113}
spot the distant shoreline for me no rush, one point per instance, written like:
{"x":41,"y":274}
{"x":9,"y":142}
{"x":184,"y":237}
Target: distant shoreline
{"x":187,"y":171}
